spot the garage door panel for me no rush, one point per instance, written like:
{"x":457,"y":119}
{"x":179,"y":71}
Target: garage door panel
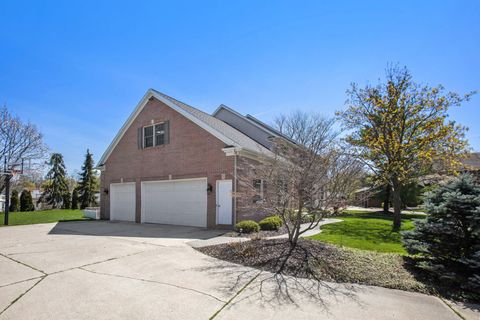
{"x":180,"y":202}
{"x":122,"y":201}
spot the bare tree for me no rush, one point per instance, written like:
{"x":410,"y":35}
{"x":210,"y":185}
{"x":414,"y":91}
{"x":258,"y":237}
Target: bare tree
{"x":309,"y":177}
{"x":18,"y":141}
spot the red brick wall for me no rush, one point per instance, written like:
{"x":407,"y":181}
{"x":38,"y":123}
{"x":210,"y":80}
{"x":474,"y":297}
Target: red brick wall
{"x":246,"y":209}
{"x":191,"y":153}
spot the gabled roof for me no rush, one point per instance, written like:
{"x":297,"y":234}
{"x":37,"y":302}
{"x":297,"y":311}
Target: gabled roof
{"x":227,"y":134}
{"x":254,"y":121}
{"x":269,"y":128}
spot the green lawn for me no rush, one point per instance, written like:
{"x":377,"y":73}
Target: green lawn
{"x":367,"y":231}
{"x":44,"y":216}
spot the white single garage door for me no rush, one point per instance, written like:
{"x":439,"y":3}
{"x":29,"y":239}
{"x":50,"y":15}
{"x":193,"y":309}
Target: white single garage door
{"x":122,"y":201}
{"x":180,"y":202}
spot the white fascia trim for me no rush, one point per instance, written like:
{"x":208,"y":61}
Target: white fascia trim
{"x":231,"y":151}
{"x":124,"y":128}
{"x":151,"y":93}
{"x":260,"y":156}
{"x":253,"y":155}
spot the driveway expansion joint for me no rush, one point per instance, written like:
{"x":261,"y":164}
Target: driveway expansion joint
{"x":234,"y":296}
{"x":154,"y":281}
{"x":97,"y":262}
{"x":22,"y":263}
{"x":23,"y":294}
{"x":21,"y":281}
{"x":452,"y":308}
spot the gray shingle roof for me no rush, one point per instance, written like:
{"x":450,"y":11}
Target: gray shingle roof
{"x":230,"y":132}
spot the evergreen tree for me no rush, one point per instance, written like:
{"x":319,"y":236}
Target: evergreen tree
{"x":447,"y":242}
{"x":13,"y":201}
{"x":74,"y":202}
{"x":26,"y":201}
{"x":88,"y":183}
{"x":66,"y":201}
{"x":57,"y":187}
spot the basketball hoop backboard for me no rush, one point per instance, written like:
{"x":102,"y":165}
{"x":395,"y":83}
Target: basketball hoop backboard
{"x":16,"y":172}
{"x":13,"y":169}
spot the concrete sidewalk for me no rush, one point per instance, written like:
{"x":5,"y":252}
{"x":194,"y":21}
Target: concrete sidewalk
{"x":103,"y":270}
{"x":225,"y":239}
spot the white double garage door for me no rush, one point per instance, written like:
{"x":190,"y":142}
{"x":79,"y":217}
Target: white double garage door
{"x":178,"y":202}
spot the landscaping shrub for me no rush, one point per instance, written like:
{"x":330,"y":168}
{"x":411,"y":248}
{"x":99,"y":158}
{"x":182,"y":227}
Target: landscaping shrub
{"x":271,"y":223}
{"x":447,"y":242}
{"x":26,"y":201}
{"x":74,"y":202}
{"x":308,"y":218}
{"x":67,"y":201}
{"x":247,"y":226}
{"x":13,"y":201}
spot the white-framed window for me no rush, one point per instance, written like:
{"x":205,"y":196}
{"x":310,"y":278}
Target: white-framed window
{"x":154,"y":135}
{"x":259,"y":187}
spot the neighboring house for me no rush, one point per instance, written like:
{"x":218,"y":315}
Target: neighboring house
{"x":367,"y":197}
{"x":36,"y":194}
{"x":472,"y":164}
{"x":2,"y":203}
{"x":174,"y":164}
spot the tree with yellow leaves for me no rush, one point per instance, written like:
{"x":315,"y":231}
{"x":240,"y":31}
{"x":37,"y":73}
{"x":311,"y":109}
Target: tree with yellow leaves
{"x":401,"y":130}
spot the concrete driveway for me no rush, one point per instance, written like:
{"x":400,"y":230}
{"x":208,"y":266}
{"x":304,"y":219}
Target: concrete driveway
{"x":103,"y":270}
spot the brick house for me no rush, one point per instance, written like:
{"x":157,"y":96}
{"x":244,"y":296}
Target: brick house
{"x":171,"y":163}
{"x":471,"y":164}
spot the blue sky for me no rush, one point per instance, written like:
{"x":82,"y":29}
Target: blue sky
{"x":77,"y":70}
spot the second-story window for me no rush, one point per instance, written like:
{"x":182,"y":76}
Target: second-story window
{"x":159,"y":134}
{"x":148,"y":137}
{"x":154,"y":135}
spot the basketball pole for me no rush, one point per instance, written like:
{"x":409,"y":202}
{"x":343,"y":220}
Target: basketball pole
{"x":9,"y":173}
{"x":7,"y":198}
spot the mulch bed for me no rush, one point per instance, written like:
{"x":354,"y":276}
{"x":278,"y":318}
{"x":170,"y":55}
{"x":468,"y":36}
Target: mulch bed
{"x":321,"y":261}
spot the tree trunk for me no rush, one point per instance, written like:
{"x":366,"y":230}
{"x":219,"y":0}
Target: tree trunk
{"x":293,"y":236}
{"x":386,"y":200}
{"x":397,"y":207}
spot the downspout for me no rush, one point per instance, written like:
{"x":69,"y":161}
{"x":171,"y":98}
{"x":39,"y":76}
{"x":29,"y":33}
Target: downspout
{"x":235,"y":188}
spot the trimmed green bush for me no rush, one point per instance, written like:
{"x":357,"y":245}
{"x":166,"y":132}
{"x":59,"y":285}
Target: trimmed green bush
{"x":247,"y":226}
{"x":26,"y":201}
{"x":271,"y":223}
{"x":14,"y":201}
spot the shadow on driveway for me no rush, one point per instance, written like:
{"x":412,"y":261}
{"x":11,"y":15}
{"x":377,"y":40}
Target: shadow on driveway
{"x":131,"y":229}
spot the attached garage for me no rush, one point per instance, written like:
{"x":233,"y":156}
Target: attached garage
{"x":178,"y":202}
{"x":122,"y":201}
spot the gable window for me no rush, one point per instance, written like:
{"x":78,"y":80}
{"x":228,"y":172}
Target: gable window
{"x":159,"y":134}
{"x":155,"y":135}
{"x":148,"y":137}
{"x":258,"y":186}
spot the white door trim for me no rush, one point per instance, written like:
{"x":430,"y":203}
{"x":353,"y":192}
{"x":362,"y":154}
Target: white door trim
{"x":217,"y":198}
{"x":142,"y":200}
{"x":110,"y":198}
